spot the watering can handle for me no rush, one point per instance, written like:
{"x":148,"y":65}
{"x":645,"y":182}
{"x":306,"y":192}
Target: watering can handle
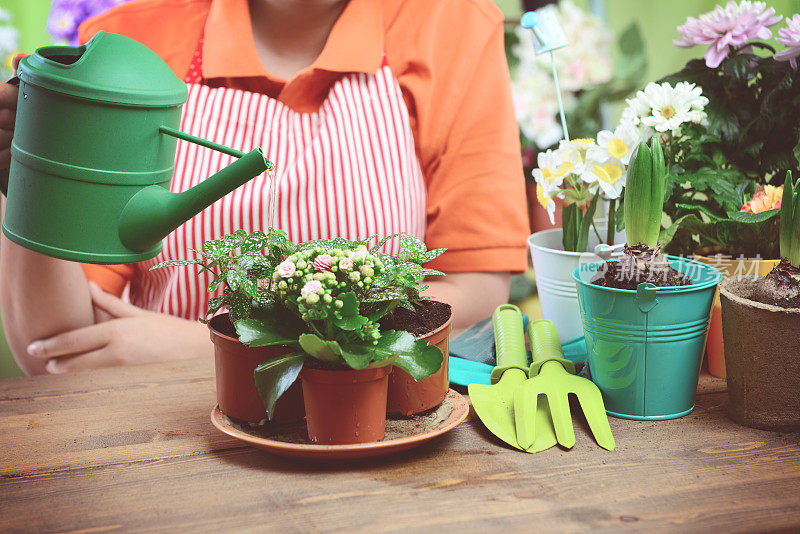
{"x":545,"y":346}
{"x":4,"y":172}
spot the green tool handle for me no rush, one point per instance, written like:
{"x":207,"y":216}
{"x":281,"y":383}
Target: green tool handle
{"x":545,"y":346}
{"x":509,"y":337}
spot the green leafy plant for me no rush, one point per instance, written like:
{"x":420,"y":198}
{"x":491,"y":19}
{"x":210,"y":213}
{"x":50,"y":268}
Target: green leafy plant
{"x":644,"y":196}
{"x":753,"y":109}
{"x":325,"y":298}
{"x":790,"y":221}
{"x":752,"y":235}
{"x":750,"y":137}
{"x":642,"y":259}
{"x":238,"y":261}
{"x":576,"y":224}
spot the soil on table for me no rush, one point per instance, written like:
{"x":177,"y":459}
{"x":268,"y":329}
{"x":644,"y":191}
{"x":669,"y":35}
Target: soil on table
{"x":397,"y":426}
{"x":781,"y":287}
{"x":638,"y":264}
{"x":428,"y":316}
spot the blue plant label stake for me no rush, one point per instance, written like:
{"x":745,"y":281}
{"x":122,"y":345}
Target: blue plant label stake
{"x":547,"y":32}
{"x":548,"y":35}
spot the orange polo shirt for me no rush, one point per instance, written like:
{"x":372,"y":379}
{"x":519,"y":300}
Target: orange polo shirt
{"x":449,"y":59}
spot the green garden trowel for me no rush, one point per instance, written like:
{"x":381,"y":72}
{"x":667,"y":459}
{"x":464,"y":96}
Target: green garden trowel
{"x":552,"y":377}
{"x":494,"y":404}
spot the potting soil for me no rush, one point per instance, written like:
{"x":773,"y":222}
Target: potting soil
{"x":428,"y":316}
{"x":638,"y":264}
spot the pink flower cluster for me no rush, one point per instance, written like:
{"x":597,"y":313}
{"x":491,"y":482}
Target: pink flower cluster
{"x":731,"y":26}
{"x":790,"y":37}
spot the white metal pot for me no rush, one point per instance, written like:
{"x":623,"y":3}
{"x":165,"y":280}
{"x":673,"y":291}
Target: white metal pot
{"x":553,"y":268}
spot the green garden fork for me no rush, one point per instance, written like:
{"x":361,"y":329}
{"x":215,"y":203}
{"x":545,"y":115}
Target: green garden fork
{"x":553,"y":377}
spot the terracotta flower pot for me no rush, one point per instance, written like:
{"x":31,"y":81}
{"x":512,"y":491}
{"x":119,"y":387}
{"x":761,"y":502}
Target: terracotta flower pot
{"x":729,"y":267}
{"x":538,"y":216}
{"x":762,"y":359}
{"x":237,"y":394}
{"x":345,"y":406}
{"x":408,"y":396}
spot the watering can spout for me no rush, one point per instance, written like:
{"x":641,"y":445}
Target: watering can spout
{"x":154,"y":212}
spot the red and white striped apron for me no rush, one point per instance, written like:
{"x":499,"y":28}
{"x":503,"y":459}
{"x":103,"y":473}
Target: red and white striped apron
{"x":347,"y":170}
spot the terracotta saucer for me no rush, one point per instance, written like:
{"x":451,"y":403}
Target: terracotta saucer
{"x":444,"y":420}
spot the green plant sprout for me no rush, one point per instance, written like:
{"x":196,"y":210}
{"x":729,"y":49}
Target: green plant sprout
{"x":644,"y":195}
{"x":790,"y":221}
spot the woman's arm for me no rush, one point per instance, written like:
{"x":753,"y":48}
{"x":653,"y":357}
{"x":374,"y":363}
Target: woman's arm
{"x":40,"y":297}
{"x":473,"y":296}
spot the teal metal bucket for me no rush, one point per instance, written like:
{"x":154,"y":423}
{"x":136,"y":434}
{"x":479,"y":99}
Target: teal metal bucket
{"x":645,"y":347}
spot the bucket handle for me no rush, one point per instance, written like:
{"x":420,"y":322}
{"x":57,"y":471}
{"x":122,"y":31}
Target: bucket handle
{"x":646,"y":296}
{"x":4,"y":172}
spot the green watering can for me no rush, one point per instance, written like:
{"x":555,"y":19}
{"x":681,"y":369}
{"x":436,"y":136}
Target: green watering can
{"x":94,"y":150}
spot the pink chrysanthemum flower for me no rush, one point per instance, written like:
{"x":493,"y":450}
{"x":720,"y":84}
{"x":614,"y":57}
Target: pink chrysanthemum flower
{"x":323,"y":262}
{"x":734,"y":25}
{"x":790,"y":36}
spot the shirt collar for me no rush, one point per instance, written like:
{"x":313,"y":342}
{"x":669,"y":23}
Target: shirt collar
{"x":355,"y":43}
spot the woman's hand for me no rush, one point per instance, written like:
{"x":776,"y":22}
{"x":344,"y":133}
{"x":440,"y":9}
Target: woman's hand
{"x":473,"y":296}
{"x":127,"y":335}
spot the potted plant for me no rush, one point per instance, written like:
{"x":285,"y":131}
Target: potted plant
{"x":235,"y":264}
{"x":760,"y":322}
{"x":578,"y":173}
{"x":342,"y":292}
{"x":645,"y":315}
{"x":750,"y":136}
{"x":583,"y":168}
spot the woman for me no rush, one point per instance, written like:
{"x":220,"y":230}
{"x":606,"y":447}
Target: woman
{"x":380,"y":115}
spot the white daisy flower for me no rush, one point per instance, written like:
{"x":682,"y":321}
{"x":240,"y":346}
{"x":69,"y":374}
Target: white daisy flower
{"x":664,"y":108}
{"x":668,"y":108}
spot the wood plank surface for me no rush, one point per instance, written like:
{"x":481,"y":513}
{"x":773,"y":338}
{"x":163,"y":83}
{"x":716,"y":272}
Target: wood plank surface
{"x":133,"y":449}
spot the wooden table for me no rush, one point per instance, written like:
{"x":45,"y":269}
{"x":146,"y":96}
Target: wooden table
{"x":133,"y":449}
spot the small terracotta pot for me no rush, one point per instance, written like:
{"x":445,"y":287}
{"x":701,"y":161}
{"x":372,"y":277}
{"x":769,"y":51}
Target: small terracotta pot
{"x":538,"y":216}
{"x":237,"y":394}
{"x":762,"y":349}
{"x":729,"y":266}
{"x":408,"y":396}
{"x":345,"y":407}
